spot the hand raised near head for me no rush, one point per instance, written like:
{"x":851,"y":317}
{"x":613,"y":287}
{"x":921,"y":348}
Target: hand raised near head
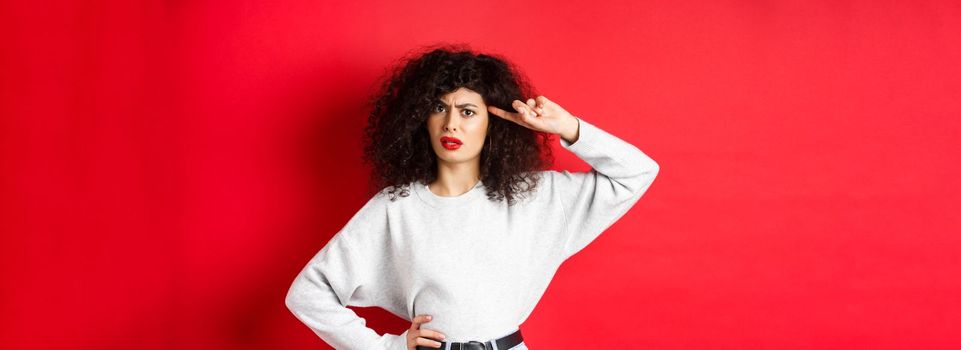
{"x":540,"y":114}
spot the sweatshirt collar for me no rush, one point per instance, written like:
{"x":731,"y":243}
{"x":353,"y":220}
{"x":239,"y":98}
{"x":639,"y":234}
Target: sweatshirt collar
{"x":437,"y":201}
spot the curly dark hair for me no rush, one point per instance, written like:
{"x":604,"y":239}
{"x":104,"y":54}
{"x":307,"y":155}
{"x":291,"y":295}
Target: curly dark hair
{"x":397,"y":144}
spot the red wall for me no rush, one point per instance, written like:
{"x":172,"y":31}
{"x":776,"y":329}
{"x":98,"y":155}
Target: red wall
{"x":167,"y":167}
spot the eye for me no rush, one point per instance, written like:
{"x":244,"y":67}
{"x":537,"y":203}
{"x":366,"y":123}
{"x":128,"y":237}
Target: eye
{"x":471,"y":112}
{"x":438,"y":108}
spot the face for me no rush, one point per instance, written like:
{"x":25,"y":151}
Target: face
{"x":461,"y":115}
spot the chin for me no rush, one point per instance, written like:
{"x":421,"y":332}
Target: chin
{"x":456,"y":158}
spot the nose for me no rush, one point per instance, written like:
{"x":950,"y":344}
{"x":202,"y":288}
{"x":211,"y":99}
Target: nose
{"x":451,"y":122}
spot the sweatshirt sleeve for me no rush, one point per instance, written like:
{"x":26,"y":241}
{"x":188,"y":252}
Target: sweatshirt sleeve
{"x":342,"y":274}
{"x":593,"y":200}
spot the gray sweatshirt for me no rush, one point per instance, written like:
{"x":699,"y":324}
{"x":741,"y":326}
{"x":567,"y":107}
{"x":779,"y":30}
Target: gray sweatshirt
{"x":477,"y":266}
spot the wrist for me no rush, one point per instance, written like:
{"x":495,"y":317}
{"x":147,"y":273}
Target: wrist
{"x":571,"y":132}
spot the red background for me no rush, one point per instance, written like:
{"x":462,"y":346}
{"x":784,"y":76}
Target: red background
{"x":167,"y":167}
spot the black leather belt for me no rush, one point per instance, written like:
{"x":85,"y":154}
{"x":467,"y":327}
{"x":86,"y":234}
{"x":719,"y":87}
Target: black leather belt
{"x":503,"y":343}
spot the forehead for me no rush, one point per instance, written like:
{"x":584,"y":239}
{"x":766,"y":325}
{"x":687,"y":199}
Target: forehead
{"x":462,"y":95}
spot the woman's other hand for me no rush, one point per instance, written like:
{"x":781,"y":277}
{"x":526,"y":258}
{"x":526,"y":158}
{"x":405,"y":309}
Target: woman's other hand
{"x":422,"y":337}
{"x":541,"y":114}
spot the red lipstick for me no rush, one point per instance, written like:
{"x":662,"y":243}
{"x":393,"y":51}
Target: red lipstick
{"x":450,"y":143}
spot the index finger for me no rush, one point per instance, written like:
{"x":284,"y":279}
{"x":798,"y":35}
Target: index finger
{"x":418,"y":320}
{"x":502,"y":113}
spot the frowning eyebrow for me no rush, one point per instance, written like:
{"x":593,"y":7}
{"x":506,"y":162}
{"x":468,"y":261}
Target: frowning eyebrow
{"x":462,"y":105}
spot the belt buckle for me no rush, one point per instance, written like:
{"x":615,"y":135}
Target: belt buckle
{"x":474,"y":345}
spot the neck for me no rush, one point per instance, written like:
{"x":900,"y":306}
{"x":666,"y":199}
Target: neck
{"x":455,"y":179}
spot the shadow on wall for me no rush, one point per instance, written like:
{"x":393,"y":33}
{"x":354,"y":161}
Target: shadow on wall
{"x":326,"y":150}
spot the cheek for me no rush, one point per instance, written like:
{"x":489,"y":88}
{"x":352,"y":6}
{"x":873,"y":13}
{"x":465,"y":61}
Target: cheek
{"x":480,"y":139}
{"x":431,"y":126}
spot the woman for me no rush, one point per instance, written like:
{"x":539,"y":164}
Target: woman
{"x":450,"y":125}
